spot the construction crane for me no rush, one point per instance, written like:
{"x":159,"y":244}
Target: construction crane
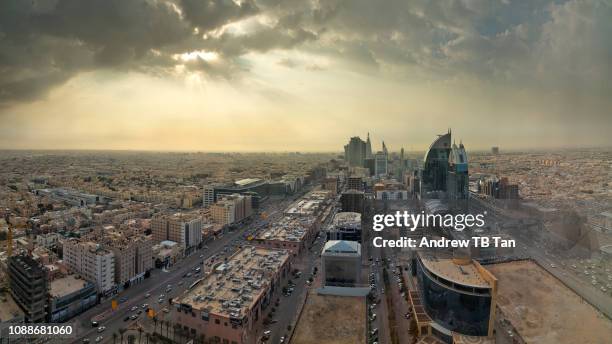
{"x":9,"y":242}
{"x":9,"y":237}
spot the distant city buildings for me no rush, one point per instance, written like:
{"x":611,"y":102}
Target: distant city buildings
{"x":355,"y":151}
{"x":497,"y":188}
{"x":380,"y":163}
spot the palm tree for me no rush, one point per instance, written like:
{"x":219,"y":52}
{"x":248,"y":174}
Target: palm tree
{"x":147,"y":336}
{"x":155,"y":324}
{"x":140,"y":330}
{"x":114,"y":337}
{"x":122,"y":332}
{"x":174,"y":330}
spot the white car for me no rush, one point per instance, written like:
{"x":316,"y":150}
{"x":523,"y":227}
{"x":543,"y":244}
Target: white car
{"x":99,"y":339}
{"x":101,"y":329}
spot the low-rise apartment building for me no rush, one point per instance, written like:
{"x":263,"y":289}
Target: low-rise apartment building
{"x":228,"y":304}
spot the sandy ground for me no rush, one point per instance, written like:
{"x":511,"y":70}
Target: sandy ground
{"x":545,"y":311}
{"x":328,"y":319}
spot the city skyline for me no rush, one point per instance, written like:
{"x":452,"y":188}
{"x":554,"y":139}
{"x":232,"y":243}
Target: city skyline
{"x":293,"y":76}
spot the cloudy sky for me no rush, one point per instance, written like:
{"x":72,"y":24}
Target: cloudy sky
{"x":279,"y":75}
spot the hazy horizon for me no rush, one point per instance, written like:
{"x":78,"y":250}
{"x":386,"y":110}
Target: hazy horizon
{"x":283,"y":76}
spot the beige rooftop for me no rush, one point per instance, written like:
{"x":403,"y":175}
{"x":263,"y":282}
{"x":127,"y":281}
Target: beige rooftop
{"x":232,"y":287}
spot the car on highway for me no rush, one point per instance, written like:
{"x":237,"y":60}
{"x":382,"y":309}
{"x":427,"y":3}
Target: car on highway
{"x":160,"y":300}
{"x":145,"y":305}
{"x":147,"y":295}
{"x":101,"y":329}
{"x":134,"y":316}
{"x":281,"y":340}
{"x":99,"y":339}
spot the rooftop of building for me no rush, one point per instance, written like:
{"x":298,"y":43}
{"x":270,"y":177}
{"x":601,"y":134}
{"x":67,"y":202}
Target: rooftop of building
{"x":91,"y":246}
{"x":287,"y":229}
{"x":468,"y":273}
{"x":347,"y":218}
{"x":327,"y":319}
{"x":233,"y":287}
{"x":543,"y":310}
{"x":66,"y":285}
{"x":309,"y":203}
{"x":247,"y":181}
{"x":341,"y":247}
{"x":353,"y":191}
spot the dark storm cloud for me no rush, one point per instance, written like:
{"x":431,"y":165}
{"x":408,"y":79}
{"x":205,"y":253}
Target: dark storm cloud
{"x":210,"y":14}
{"x":44,"y":43}
{"x":560,"y":45}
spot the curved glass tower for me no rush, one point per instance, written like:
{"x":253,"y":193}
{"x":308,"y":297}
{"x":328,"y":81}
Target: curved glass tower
{"x":435,"y":165}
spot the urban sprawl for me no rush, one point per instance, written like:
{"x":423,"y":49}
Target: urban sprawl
{"x":236,"y":248}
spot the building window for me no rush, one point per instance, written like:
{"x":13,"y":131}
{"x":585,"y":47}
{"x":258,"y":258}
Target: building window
{"x":217,"y":321}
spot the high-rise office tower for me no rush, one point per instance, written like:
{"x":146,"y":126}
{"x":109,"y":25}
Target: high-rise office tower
{"x":355,"y":152}
{"x":433,"y":175}
{"x":457,"y":178}
{"x":208,"y":196}
{"x":368,"y":148}
{"x":380,"y":164}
